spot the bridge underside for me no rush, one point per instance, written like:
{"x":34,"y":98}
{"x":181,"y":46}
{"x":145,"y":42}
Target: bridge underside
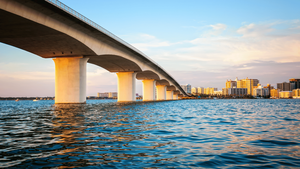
{"x":55,"y":34}
{"x":38,"y":39}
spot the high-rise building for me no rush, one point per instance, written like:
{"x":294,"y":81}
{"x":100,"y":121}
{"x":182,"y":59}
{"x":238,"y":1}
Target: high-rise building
{"x":295,"y":83}
{"x":284,"y":86}
{"x":194,"y":90}
{"x":230,"y":84}
{"x":269,"y":87}
{"x":200,"y":90}
{"x":210,"y":90}
{"x":187,"y":88}
{"x":224,"y":91}
{"x":274,"y":93}
{"x":260,"y":91}
{"x":237,"y":91}
{"x":247,"y":83}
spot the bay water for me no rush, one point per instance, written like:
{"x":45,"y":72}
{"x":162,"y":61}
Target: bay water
{"x":222,"y":133}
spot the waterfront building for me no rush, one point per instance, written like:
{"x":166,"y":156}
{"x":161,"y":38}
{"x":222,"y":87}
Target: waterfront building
{"x":294,"y":83}
{"x":247,"y":83}
{"x":194,"y":90}
{"x":218,"y":93}
{"x":274,"y":93}
{"x":269,"y":87}
{"x":224,"y":91}
{"x":237,"y":91}
{"x":210,"y":90}
{"x":260,"y":91}
{"x":102,"y":95}
{"x":296,"y":93}
{"x":112,"y":94}
{"x":284,"y":86}
{"x":200,"y":90}
{"x":187,"y":88}
{"x":108,"y":95}
{"x":230,"y":84}
{"x":285,"y":94}
{"x":207,"y":90}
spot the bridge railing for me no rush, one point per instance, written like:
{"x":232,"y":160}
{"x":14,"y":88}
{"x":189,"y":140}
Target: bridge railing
{"x":74,"y":13}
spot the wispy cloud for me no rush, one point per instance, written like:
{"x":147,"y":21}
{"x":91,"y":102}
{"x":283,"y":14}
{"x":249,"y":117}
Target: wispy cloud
{"x":270,"y":41}
{"x":218,"y":26}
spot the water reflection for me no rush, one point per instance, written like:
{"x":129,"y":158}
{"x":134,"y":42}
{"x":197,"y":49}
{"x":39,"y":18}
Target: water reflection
{"x":102,"y":135}
{"x":181,"y":134}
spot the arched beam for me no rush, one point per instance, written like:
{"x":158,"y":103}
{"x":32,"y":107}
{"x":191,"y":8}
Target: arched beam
{"x":162,"y":82}
{"x":176,"y":92}
{"x":146,"y":75}
{"x":114,"y":63}
{"x":39,"y":39}
{"x":171,"y":88}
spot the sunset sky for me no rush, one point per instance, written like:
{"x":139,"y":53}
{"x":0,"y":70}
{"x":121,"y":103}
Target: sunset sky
{"x":202,"y":43}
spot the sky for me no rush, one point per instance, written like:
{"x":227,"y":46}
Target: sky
{"x":202,"y":43}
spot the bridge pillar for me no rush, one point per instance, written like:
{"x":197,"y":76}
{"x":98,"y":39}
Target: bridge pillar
{"x":170,"y":95}
{"x":70,"y":79}
{"x":148,"y":89}
{"x":175,"y":96}
{"x":161,"y":92}
{"x":126,"y":86}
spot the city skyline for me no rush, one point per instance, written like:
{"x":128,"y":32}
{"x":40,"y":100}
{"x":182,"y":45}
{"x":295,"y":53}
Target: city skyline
{"x":201,"y":45}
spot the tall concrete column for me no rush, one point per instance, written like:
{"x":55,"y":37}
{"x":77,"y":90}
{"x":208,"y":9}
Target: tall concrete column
{"x":175,"y":96}
{"x":161,"y":92}
{"x":148,"y":89}
{"x":70,"y":79}
{"x":170,"y":95}
{"x":126,"y":86}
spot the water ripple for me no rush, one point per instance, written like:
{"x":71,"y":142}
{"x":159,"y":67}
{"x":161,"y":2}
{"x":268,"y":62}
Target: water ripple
{"x":176,"y":134}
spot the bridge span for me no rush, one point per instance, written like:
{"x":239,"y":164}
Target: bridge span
{"x":50,"y":29}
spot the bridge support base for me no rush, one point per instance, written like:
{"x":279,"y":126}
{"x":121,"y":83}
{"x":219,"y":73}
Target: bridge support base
{"x":169,"y":95}
{"x":126,"y":86}
{"x":148,"y":90}
{"x":161,"y":92}
{"x":70,"y":79}
{"x":175,"y":97}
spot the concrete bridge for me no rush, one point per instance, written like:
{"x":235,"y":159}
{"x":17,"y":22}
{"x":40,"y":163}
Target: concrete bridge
{"x":50,"y":29}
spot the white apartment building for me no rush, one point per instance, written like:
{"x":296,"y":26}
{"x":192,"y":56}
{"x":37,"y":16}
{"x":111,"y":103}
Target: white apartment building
{"x":260,"y":91}
{"x":107,"y":94}
{"x":187,"y":88}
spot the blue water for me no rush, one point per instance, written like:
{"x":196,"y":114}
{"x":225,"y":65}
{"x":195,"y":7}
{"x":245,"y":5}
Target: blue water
{"x":259,"y":133}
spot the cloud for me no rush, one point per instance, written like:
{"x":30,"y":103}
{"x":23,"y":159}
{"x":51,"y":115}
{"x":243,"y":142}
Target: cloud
{"x":253,"y":30}
{"x":219,"y":26}
{"x":148,"y":42}
{"x":259,"y":42}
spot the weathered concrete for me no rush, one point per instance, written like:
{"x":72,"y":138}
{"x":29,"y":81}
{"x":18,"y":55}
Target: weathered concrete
{"x":126,"y":86}
{"x":70,"y":79}
{"x":175,"y":96}
{"x":148,"y":89}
